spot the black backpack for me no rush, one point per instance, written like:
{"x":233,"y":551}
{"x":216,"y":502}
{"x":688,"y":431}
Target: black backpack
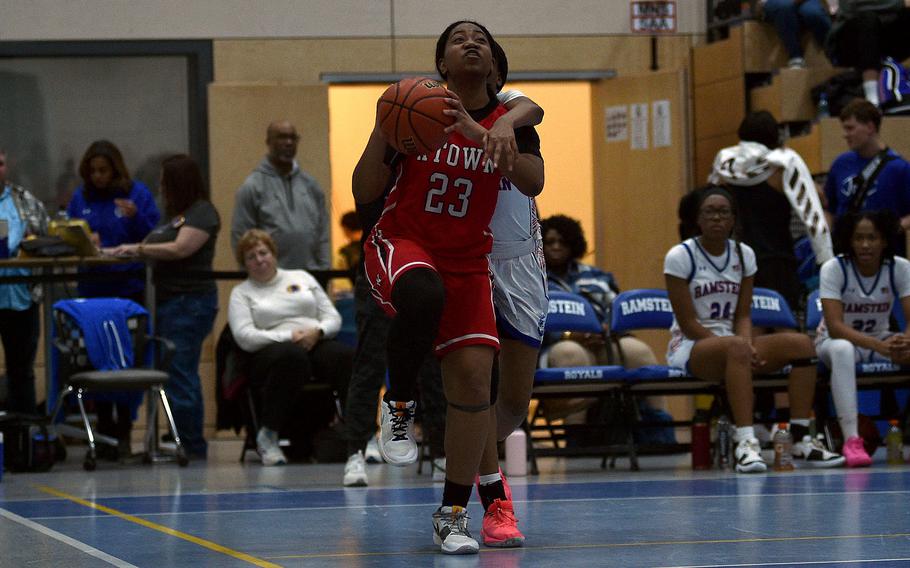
{"x":839,"y":90}
{"x":29,"y":443}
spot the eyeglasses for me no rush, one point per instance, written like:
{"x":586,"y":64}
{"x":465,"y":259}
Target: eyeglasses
{"x":719,"y":213}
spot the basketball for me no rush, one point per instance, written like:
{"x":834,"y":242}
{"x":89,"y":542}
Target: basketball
{"x":410,"y":115}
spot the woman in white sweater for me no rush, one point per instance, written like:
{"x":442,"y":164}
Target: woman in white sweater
{"x":285,"y":320}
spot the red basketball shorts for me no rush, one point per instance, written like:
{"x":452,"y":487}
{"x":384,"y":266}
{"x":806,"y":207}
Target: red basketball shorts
{"x":467,"y":317}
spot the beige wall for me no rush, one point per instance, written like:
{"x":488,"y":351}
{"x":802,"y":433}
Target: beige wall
{"x":205,"y":19}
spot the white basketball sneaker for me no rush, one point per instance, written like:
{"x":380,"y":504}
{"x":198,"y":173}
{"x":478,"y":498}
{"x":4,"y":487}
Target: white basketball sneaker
{"x":450,"y":531}
{"x":748,"y":457}
{"x":396,"y":438}
{"x":355,"y":471}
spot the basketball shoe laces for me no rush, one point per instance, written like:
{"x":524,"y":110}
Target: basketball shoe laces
{"x":400,"y":419}
{"x":457,"y":522}
{"x":503,"y":516}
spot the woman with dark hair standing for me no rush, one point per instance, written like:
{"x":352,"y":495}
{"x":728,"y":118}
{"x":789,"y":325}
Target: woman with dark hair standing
{"x":858,"y":290}
{"x":709,"y":281}
{"x":436,"y":285}
{"x":118,"y":210}
{"x":186,"y":306}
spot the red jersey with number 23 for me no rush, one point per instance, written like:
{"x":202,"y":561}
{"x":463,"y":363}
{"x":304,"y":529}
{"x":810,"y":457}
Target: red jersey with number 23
{"x":445,"y":200}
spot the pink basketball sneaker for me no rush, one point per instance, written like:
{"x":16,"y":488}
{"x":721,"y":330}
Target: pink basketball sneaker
{"x":500,"y":527}
{"x":855,"y":453}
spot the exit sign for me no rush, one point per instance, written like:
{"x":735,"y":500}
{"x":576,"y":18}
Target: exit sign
{"x":653,"y":16}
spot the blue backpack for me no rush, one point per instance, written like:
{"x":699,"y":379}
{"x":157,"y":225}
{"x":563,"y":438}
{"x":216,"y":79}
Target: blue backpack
{"x":894,"y":87}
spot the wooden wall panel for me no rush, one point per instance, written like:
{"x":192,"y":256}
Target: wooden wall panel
{"x":719,"y":107}
{"x":303,"y":60}
{"x":637,"y":191}
{"x":718,"y":61}
{"x":238,"y":117}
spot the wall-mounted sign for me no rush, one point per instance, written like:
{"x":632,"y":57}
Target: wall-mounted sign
{"x":653,"y":16}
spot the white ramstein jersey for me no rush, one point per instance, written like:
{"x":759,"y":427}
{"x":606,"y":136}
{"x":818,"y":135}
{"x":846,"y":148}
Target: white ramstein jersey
{"x":515,"y":219}
{"x":867,"y":301}
{"x":714,"y":282}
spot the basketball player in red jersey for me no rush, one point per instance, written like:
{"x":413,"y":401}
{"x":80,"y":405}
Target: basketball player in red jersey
{"x":427,"y":264}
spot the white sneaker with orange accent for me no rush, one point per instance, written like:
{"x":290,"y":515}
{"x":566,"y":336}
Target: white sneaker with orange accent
{"x":396,"y":438}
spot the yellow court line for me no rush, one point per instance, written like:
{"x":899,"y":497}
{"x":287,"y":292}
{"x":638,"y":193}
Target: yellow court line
{"x":160,"y":528}
{"x":607,"y":545}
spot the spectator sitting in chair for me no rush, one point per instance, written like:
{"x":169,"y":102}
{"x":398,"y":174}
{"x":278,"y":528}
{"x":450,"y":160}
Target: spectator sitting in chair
{"x":564,"y":246}
{"x":789,"y":17}
{"x":286,"y":321}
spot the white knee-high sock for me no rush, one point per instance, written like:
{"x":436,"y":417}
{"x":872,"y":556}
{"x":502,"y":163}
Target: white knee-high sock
{"x":840,"y":356}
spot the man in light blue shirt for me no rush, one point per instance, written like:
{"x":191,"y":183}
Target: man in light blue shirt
{"x":21,"y":214}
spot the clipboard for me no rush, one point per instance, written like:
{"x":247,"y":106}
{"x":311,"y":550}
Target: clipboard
{"x":76,"y":233}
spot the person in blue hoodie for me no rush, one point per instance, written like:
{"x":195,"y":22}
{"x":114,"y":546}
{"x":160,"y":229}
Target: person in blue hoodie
{"x":118,"y":210}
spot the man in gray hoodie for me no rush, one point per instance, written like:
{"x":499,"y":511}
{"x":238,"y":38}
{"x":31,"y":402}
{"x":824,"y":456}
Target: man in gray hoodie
{"x":283,"y":200}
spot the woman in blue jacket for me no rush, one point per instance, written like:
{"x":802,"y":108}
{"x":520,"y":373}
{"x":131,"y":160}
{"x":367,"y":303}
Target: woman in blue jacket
{"x":118,"y":210}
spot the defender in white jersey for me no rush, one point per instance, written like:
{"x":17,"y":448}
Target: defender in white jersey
{"x":858,"y":291}
{"x":520,"y":299}
{"x":709,"y":281}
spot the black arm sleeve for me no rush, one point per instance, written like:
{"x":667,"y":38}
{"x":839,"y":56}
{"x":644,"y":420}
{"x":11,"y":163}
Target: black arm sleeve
{"x":527,"y":140}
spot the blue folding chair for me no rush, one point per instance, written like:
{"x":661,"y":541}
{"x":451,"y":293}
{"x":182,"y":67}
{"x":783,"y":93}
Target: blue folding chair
{"x":570,"y":312}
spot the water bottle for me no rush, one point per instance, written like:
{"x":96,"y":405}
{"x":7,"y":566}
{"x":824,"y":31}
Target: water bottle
{"x":723,"y":442}
{"x":701,"y":441}
{"x":823,"y":110}
{"x":517,"y":453}
{"x":783,"y":448}
{"x":894,"y":441}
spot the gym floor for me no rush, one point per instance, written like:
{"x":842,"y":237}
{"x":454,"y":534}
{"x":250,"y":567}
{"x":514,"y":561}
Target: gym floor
{"x":222,"y":513}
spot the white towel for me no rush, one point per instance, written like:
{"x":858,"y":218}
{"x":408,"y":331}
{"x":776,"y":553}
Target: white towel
{"x":751,"y":163}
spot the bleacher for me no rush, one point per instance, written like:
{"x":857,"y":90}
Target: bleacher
{"x":745,"y":72}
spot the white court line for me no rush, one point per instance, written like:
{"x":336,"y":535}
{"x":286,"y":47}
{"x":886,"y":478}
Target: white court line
{"x":435,"y":503}
{"x":81,"y":546}
{"x":802,"y":563}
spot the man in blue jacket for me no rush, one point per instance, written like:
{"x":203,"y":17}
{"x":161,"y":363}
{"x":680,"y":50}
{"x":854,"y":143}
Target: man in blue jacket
{"x":869,"y":176}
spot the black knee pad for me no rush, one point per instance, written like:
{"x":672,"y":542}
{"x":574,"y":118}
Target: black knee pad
{"x":419,"y":294}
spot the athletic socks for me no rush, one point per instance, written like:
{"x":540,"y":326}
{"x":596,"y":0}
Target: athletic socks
{"x":743,"y":433}
{"x":455,"y":494}
{"x":490,"y":488}
{"x":870,"y":89}
{"x":799,"y":427}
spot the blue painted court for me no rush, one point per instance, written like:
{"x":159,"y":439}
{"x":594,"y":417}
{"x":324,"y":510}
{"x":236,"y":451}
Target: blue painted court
{"x":226,"y":514}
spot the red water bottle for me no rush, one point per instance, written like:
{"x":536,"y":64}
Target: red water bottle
{"x":701,"y":441}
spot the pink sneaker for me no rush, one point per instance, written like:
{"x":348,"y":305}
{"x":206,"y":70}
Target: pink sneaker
{"x":500,"y":527}
{"x":855,"y":453}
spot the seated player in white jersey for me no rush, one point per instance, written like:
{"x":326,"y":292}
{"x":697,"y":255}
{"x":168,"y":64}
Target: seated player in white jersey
{"x":858,"y":290}
{"x":520,"y":300}
{"x":709,"y":280}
